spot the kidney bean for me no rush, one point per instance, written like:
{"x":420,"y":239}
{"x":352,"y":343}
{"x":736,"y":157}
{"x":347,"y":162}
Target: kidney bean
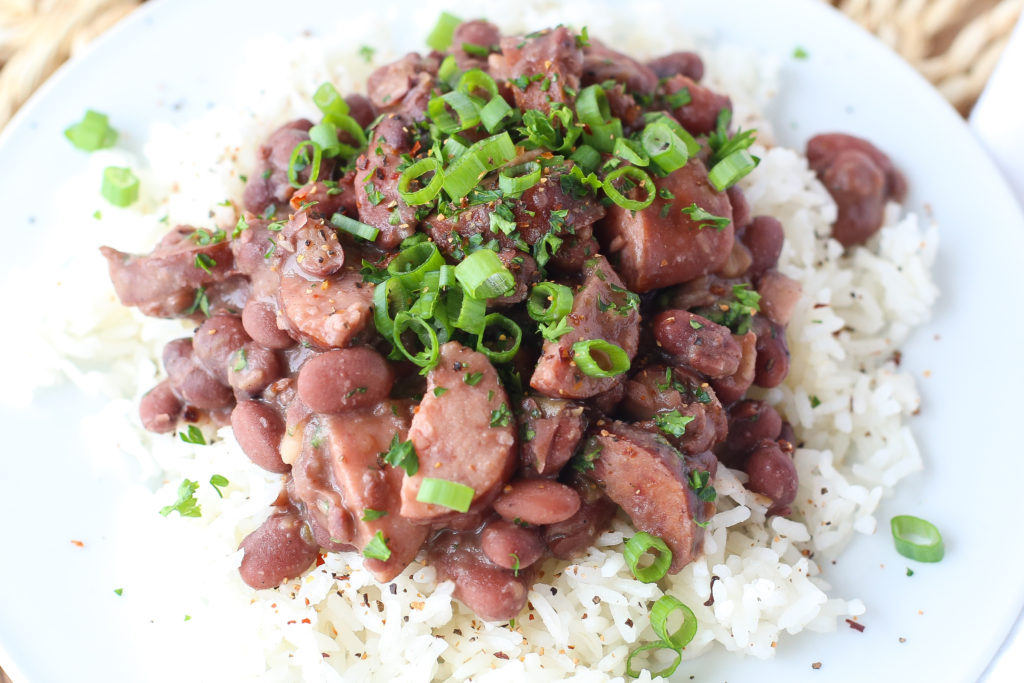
{"x":253,"y":368}
{"x":317,"y":250}
{"x":685,"y":63}
{"x":345,"y":379}
{"x":772,"y":364}
{"x":200,"y":389}
{"x":537,"y":501}
{"x":260,"y":321}
{"x":177,"y":359}
{"x":763,"y":237}
{"x":773,"y":474}
{"x":750,"y":422}
{"x":493,"y":593}
{"x":216,"y":341}
{"x":787,"y":437}
{"x":259,"y":429}
{"x":779,"y":296}
{"x":280,"y":549}
{"x":738,"y":262}
{"x":511,"y":546}
{"x":159,"y":409}
{"x":697,"y":342}
{"x":571,"y":538}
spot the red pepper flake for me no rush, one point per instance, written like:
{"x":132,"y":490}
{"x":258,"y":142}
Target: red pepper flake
{"x":77,"y":544}
{"x":501,"y":655}
{"x":416,"y":147}
{"x":855,"y":626}
{"x":320,"y":559}
{"x":816,"y":665}
{"x":306,"y":621}
{"x":290,"y":621}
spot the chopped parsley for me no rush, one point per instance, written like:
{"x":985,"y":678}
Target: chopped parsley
{"x":186,"y":505}
{"x":366,"y":52}
{"x":440,"y":391}
{"x":377,"y":548}
{"x":515,"y":564}
{"x":217,"y":481}
{"x":473,"y":378}
{"x":700,"y":482}
{"x":402,"y":454}
{"x":800,"y":53}
{"x":585,"y":460}
{"x":553,"y":331}
{"x":357,"y":390}
{"x":201,"y":302}
{"x":673,"y":422}
{"x":736,"y":315}
{"x":193,"y":435}
{"x":695,"y":324}
{"x":501,"y":417}
{"x":705,"y":219}
{"x":241,"y":363}
{"x":372,"y":193}
{"x":680,"y":98}
{"x":205,"y":262}
{"x":370,"y":515}
{"x":241,"y":225}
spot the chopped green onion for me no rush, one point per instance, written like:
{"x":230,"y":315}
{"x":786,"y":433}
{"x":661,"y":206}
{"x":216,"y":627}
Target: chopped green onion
{"x":354,"y":227}
{"x":401,"y":454}
{"x":640,"y":544}
{"x":660,"y":613}
{"x":661,"y":645}
{"x":440,"y":37}
{"x":726,"y":172}
{"x":517,"y":179}
{"x":586,"y":157}
{"x":917,"y":538}
{"x":295,"y":165}
{"x":404,"y":322}
{"x":483,"y":275}
{"x":413,"y":263}
{"x":371,"y":515}
{"x":329,"y":101}
{"x":481,"y":158}
{"x":467,"y":108}
{"x":93,"y":132}
{"x":474,"y":79}
{"x":506,"y":332}
{"x":326,"y":135}
{"x":388,"y":294}
{"x":449,"y":71}
{"x":631,"y":151}
{"x":705,"y":219}
{"x":673,"y":422}
{"x":665,"y":148}
{"x":377,"y":548}
{"x":494,"y":112}
{"x":120,"y":186}
{"x":549,"y":302}
{"x":466,"y":312}
{"x":599,"y":358}
{"x":592,"y":106}
{"x":426,"y":193}
{"x":631,"y":173}
{"x":449,"y":494}
{"x":680,"y":98}
{"x":602,"y":136}
{"x":692,"y":146}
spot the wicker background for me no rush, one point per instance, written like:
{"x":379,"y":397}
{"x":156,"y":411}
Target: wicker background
{"x":954,"y":43}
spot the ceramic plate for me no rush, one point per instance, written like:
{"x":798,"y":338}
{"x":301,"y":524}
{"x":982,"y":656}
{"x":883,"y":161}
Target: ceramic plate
{"x":59,"y":620}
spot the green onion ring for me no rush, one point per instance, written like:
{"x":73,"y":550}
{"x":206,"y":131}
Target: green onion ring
{"x":660,"y":613}
{"x":726,"y":172}
{"x":583,"y":356}
{"x":413,"y":263}
{"x":427,"y":358}
{"x":465,"y":312}
{"x":665,"y":148}
{"x":494,"y":112}
{"x":354,"y":227}
{"x":483,"y":275}
{"x":497,"y":320}
{"x":476,"y":78}
{"x":641,"y":543}
{"x":426,"y":193}
{"x":592,"y":106}
{"x":463,"y":174}
{"x":449,"y":72}
{"x":549,"y":301}
{"x":517,"y":179}
{"x":440,"y":37}
{"x":293,"y":174}
{"x":602,"y":136}
{"x":631,"y":173}
{"x":692,"y":146}
{"x":586,"y":157}
{"x":120,"y":186}
{"x":632,"y":152}
{"x":386,"y":294}
{"x":917,"y":538}
{"x":466,"y":108}
{"x":664,"y":673}
{"x":449,"y":494}
{"x":329,"y":101}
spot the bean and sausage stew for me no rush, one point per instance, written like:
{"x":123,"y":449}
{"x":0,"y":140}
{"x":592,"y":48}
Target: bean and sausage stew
{"x":471,"y":315}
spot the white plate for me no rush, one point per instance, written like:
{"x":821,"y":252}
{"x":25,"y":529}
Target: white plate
{"x":59,"y":620}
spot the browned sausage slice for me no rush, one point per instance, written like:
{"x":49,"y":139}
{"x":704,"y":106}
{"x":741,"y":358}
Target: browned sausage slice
{"x":327,"y":313}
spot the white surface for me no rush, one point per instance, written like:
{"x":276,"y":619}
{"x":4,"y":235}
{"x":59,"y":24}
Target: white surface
{"x":996,"y":119}
{"x":162,"y":64}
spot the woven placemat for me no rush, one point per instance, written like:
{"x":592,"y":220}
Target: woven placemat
{"x":954,"y":43}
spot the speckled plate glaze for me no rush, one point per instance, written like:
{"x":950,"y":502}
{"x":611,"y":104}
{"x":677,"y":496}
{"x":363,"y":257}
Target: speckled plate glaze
{"x":59,"y":619}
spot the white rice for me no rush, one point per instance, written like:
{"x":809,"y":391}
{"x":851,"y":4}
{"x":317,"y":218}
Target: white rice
{"x":845,"y":395}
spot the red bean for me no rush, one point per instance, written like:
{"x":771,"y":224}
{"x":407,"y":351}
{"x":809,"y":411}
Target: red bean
{"x":511,"y":546}
{"x":731,"y":388}
{"x":278,"y":550}
{"x":697,"y":342}
{"x":750,"y":422}
{"x":537,"y":501}
{"x":216,"y":342}
{"x":772,"y":364}
{"x":773,"y":474}
{"x":201,"y":390}
{"x":159,"y":409}
{"x":763,"y":237}
{"x":258,"y":429}
{"x":260,"y":321}
{"x":571,"y":538}
{"x":253,"y":368}
{"x":685,"y":63}
{"x":345,"y":379}
{"x":493,"y":593}
{"x":317,"y":250}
